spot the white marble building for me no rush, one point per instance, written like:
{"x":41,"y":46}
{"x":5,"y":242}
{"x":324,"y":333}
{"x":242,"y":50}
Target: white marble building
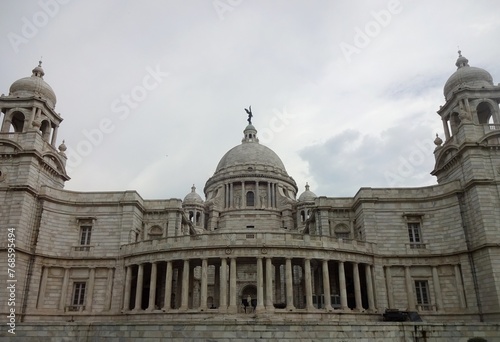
{"x":255,"y":245}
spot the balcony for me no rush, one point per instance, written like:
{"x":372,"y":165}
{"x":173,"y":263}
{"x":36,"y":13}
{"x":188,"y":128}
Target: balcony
{"x":242,"y":239}
{"x":491,"y":128}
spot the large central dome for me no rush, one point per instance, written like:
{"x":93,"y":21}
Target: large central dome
{"x":250,"y":152}
{"x":248,"y":167}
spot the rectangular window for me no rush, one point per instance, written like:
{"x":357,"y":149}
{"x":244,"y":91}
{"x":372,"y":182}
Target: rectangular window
{"x":422,"y":291}
{"x":414,"y":233}
{"x":79,"y":293}
{"x":85,"y":233}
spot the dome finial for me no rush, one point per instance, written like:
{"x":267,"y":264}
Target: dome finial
{"x":461,"y":61}
{"x":307,"y":186}
{"x":193,"y":188}
{"x":38,"y":71}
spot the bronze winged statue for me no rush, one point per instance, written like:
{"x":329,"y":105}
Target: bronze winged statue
{"x":250,"y":115}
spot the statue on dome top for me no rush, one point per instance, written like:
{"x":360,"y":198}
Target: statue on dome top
{"x":250,"y":115}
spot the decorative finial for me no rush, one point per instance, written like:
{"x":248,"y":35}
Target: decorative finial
{"x":438,"y":141}
{"x":193,"y":188}
{"x":250,"y":115}
{"x":459,"y":53}
{"x":40,"y":61}
{"x":307,"y":186}
{"x":62,"y":148}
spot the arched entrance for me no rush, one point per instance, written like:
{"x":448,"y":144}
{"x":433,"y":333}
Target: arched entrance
{"x":248,"y":298}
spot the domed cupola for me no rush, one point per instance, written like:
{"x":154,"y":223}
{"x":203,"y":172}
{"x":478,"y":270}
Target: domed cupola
{"x":34,"y":86}
{"x":193,"y":206}
{"x":250,"y":154}
{"x":307,"y":195}
{"x":250,"y":180}
{"x":193,"y":197}
{"x":466,"y":76}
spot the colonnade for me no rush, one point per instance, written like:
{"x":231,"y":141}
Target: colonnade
{"x":264,"y":194}
{"x":279,"y":283}
{"x":48,"y":130}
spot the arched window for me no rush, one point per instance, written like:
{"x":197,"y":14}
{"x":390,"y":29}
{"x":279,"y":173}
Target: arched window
{"x":250,"y":199}
{"x":302,"y":215}
{"x":484,"y":113}
{"x":17,"y":122}
{"x":45,"y":129}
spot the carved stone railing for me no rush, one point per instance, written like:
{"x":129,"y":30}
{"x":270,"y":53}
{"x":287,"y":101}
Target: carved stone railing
{"x":243,"y":239}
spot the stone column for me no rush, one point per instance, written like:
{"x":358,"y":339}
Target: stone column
{"x":43,"y":286}
{"x":185,"y":286}
{"x":257,"y":198}
{"x":260,"y":286}
{"x":90,"y":291}
{"x":138,"y":290}
{"x":308,"y":284}
{"x":460,"y":287}
{"x":343,"y":290}
{"x":243,"y":195}
{"x":226,"y":195}
{"x":231,"y":195}
{"x":273,"y":194}
{"x":388,"y":283}
{"x":409,"y":289}
{"x":128,"y":285}
{"x":204,"y":284}
{"x":437,"y":288}
{"x":54,"y":136}
{"x":289,"y":285}
{"x":167,"y":301}
{"x":269,"y":285}
{"x":232,"y":287}
{"x":109,"y":289}
{"x":357,"y":287}
{"x":269,"y":203}
{"x":369,"y":288}
{"x":152,"y":286}
{"x":64,"y":289}
{"x":327,"y":297}
{"x":223,"y":285}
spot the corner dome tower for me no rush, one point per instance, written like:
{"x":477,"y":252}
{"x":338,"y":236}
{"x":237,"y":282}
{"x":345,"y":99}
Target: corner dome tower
{"x":34,"y":86}
{"x":466,"y":76}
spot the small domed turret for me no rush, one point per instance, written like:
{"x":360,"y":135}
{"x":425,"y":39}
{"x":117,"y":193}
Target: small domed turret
{"x":193,"y":197}
{"x":466,"y":76}
{"x":34,"y":86}
{"x":307,"y":196}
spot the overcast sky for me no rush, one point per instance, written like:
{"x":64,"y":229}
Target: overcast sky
{"x":153,"y":92}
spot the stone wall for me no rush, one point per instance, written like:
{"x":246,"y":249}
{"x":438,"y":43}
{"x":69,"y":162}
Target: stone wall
{"x":232,"y":331}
